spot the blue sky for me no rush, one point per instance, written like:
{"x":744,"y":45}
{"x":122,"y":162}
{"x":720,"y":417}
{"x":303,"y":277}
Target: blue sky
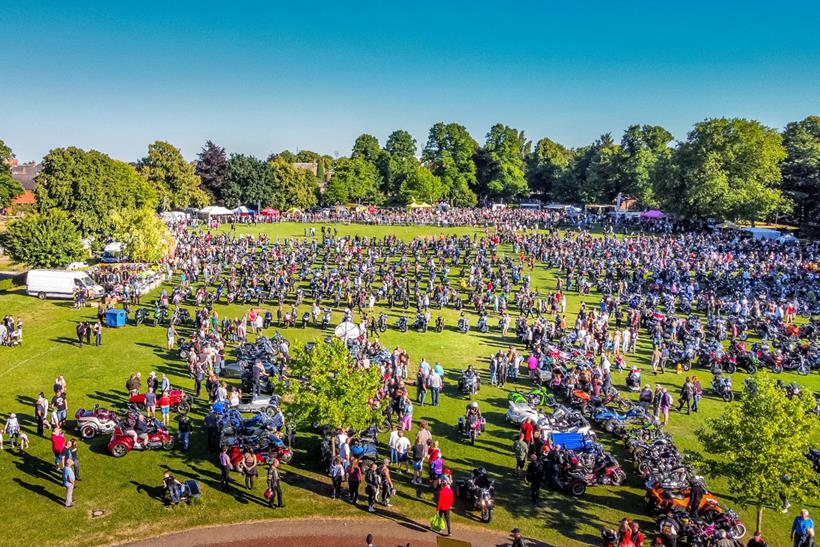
{"x":261,"y":77}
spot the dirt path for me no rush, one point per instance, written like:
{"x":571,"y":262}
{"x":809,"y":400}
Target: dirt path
{"x":327,"y":533}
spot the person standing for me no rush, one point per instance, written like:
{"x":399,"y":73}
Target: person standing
{"x":68,"y":482}
{"x":70,"y":455}
{"x":686,"y":393}
{"x":185,"y":428}
{"x":98,"y":334}
{"x":666,"y":404}
{"x":337,"y":473}
{"x":435,"y":384}
{"x":40,"y":412}
{"x":386,"y":481}
{"x":275,"y":484}
{"x":697,"y":393}
{"x":517,"y":540}
{"x":371,"y":480}
{"x":535,"y":473}
{"x":225,"y":466}
{"x":249,"y":469}
{"x":445,"y":503}
{"x":354,"y":479}
{"x":57,"y":446}
{"x":12,"y":429}
{"x":802,"y":529}
{"x":520,"y":450}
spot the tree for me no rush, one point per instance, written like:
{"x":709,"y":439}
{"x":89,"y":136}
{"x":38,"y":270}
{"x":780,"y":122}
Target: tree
{"x":546,"y":165}
{"x":45,"y":240}
{"x":449,"y":154}
{"x":175,"y":180}
{"x":758,"y":441}
{"x":366,"y":148}
{"x":353,"y":180}
{"x":502,"y":168}
{"x":144,"y":235}
{"x":212,"y":169}
{"x":9,"y":188}
{"x":727,"y":168}
{"x":307,"y":156}
{"x":249,"y":182}
{"x":801,"y":168}
{"x":397,"y":161}
{"x":89,"y":186}
{"x":644,"y":155}
{"x":592,"y":176}
{"x":326,"y":387}
{"x":421,"y":185}
{"x":292,"y":187}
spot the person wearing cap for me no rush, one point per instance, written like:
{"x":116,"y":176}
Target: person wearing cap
{"x":517,"y":541}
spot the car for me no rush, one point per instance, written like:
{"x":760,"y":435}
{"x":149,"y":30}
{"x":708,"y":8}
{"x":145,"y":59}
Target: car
{"x":259,"y":403}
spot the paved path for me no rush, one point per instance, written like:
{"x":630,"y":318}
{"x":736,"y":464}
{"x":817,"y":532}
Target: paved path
{"x":327,"y":533}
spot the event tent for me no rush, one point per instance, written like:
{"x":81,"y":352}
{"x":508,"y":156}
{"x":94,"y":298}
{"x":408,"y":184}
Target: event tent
{"x":653,"y":214}
{"x":215,"y":211}
{"x":242,"y":210}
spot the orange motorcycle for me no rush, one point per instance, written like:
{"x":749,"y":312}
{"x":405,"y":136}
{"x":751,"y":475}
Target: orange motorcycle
{"x":660,"y":499}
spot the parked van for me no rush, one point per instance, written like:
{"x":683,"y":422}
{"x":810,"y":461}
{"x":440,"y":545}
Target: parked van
{"x":60,"y":284}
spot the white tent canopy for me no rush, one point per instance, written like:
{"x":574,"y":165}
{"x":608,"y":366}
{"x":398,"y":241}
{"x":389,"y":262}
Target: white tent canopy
{"x":113,"y":247}
{"x":173,"y":215}
{"x":215,"y":211}
{"x":347,"y":331}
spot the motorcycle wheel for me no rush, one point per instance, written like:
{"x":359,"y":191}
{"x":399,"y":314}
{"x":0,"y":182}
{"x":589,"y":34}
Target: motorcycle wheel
{"x":472,"y":437}
{"x":618,"y":478}
{"x":777,"y":368}
{"x":183,"y":354}
{"x":730,"y":368}
{"x":286,"y":458}
{"x":119,"y":450}
{"x":270,"y":411}
{"x":728,"y":396}
{"x":486,"y":515}
{"x":169,"y":444}
{"x":577,"y":489}
{"x":609,"y":426}
{"x":686,"y":366}
{"x":183,"y":407}
{"x":752,"y":369}
{"x":803,"y":370}
{"x":738,"y":530}
{"x":88,"y":431}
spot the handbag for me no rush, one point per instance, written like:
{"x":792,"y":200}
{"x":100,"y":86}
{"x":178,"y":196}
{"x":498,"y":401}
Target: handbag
{"x":437,"y":523}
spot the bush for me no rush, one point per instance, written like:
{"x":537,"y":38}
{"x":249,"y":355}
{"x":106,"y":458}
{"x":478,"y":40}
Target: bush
{"x":48,"y":240}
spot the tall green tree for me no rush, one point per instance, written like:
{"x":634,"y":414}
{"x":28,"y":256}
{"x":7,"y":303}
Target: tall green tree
{"x":353,"y":180}
{"x":44,"y":240}
{"x":292,"y":187}
{"x":801,"y":168}
{"x":212,"y":169}
{"x":144,"y":235}
{"x":397,"y":161}
{"x":367,"y":148}
{"x":761,"y":439}
{"x":592,"y":176}
{"x":307,"y":156}
{"x":249,"y":182}
{"x":420,"y":185}
{"x":284,"y":155}
{"x":727,"y":168}
{"x":9,"y":188}
{"x":89,"y":186}
{"x":174,"y":179}
{"x":326,"y":387}
{"x":449,"y":154}
{"x":501,"y":163}
{"x":546,"y":165}
{"x":643,"y":158}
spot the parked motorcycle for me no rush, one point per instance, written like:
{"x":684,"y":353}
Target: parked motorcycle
{"x":95,"y":421}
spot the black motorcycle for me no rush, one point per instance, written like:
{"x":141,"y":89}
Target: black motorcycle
{"x":401,"y":324}
{"x":478,"y":491}
{"x":439,"y":324}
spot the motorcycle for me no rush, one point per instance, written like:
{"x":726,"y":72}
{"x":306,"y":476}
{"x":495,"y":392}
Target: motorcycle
{"x":660,"y":498}
{"x":140,"y":316}
{"x":478,"y":491}
{"x":157,"y":437}
{"x":469,"y":384}
{"x":633,"y":379}
{"x":180,"y":401}
{"x":305,"y":319}
{"x":381,"y":322}
{"x":439,"y":324}
{"x":722,"y":387}
{"x":463,"y":325}
{"x":471,"y":426}
{"x":482,"y":324}
{"x":326,"y":319}
{"x":95,"y":421}
{"x":401,"y":324}
{"x":606,"y":470}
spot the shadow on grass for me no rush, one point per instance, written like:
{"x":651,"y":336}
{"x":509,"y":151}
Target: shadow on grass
{"x":39,"y":490}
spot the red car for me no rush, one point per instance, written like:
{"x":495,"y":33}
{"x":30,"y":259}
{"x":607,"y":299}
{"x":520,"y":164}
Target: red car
{"x":263,"y":455}
{"x":158,"y":437}
{"x":180,"y":401}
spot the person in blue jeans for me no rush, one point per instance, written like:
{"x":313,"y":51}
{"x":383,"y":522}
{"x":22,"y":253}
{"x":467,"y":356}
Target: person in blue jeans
{"x":802,"y":529}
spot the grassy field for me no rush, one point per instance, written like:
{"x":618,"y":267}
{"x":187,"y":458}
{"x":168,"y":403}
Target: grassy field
{"x":127,"y":490}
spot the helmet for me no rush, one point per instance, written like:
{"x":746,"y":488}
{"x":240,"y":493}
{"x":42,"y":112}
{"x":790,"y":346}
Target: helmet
{"x":473,"y":405}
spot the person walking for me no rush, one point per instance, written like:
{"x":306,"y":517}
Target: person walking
{"x":535,"y":472}
{"x":40,"y":413}
{"x":249,"y":469}
{"x":686,"y":393}
{"x":434,"y":383}
{"x":445,"y":503}
{"x":697,"y":393}
{"x":68,"y":482}
{"x":371,"y":480}
{"x":520,"y":450}
{"x":275,"y":484}
{"x":98,"y":334}
{"x":666,"y":404}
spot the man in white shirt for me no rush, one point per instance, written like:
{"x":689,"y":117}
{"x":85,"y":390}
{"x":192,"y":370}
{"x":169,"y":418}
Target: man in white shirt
{"x":402,"y":449}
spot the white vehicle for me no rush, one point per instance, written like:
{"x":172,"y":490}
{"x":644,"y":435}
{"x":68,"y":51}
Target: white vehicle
{"x":60,"y":284}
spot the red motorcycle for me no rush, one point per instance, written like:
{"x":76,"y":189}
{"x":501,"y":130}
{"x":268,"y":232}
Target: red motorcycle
{"x":180,"y":401}
{"x":263,"y":454}
{"x":122,"y":443}
{"x":606,"y":470}
{"x":95,"y":421}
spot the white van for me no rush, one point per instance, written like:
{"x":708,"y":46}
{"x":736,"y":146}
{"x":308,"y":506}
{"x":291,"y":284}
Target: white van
{"x":60,"y":284}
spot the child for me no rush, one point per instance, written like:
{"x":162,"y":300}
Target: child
{"x":23,"y":441}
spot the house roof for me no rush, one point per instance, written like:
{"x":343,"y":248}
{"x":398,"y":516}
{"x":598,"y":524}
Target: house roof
{"x":25,"y":173}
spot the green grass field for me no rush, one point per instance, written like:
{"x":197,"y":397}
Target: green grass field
{"x":128,"y":489}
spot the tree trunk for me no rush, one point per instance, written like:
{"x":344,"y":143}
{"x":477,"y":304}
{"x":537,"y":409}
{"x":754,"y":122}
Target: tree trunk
{"x":759,"y":518}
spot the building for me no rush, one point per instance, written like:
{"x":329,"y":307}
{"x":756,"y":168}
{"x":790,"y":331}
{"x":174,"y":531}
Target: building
{"x":25,"y":174}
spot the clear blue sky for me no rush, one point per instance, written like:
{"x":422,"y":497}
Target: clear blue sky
{"x":261,"y":77}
